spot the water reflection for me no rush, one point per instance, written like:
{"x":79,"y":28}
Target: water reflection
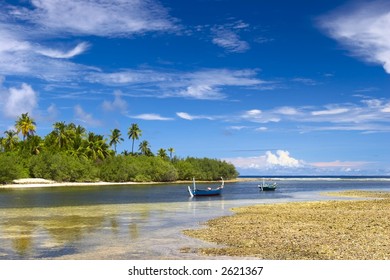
{"x":39,"y":232}
{"x":126,"y":231}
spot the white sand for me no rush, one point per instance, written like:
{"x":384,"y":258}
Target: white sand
{"x":39,"y":183}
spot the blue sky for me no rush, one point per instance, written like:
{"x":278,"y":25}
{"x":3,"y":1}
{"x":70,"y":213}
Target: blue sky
{"x":274,"y":87}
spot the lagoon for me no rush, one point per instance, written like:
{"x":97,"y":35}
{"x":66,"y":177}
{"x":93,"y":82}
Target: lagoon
{"x":135,"y":221}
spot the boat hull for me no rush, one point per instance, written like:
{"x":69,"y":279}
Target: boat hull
{"x":199,"y":192}
{"x":205,"y":192}
{"x":267,"y":189}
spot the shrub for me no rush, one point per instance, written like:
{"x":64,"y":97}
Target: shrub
{"x":62,"y":168}
{"x":10,"y":168}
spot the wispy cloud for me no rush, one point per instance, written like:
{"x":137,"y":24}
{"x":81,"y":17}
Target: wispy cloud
{"x":227,"y":36}
{"x":84,"y":117}
{"x":207,"y":84}
{"x":368,"y":116}
{"x":151,"y":117}
{"x":340,"y":164}
{"x":258,"y":116}
{"x":118,"y":104}
{"x":330,"y":111}
{"x":24,"y":32}
{"x":112,"y":18}
{"x":23,"y":55}
{"x":55,"y":53}
{"x":305,"y":81}
{"x":186,"y":116}
{"x":363,"y":28}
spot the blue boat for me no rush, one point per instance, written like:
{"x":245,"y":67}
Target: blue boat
{"x":205,"y":192}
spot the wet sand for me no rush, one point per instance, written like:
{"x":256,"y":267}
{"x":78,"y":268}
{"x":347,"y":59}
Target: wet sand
{"x":317,"y":230}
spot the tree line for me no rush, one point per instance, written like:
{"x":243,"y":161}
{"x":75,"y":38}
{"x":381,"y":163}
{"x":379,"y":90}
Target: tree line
{"x":70,"y":153}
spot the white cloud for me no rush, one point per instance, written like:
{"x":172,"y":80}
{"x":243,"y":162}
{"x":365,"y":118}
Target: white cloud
{"x":52,"y":112}
{"x":10,"y":41}
{"x":286,"y":110}
{"x":237,"y":127}
{"x":21,"y":54}
{"x":340,"y":164}
{"x":305,"y":81}
{"x":23,"y":29}
{"x":186,"y":116}
{"x":282,"y":159}
{"x":19,"y":100}
{"x":84,"y":117}
{"x":269,"y":161}
{"x":331,"y":111}
{"x":364,"y":28}
{"x":258,"y":116}
{"x":201,"y":92}
{"x":261,"y":129}
{"x":386,"y":108}
{"x":151,"y":117}
{"x":118,"y":104}
{"x":227,"y":37}
{"x":207,"y":84}
{"x":112,"y":18}
{"x":53,"y":53}
{"x":229,"y":40}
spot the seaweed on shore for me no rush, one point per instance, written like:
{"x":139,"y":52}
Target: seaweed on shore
{"x":327,"y":230}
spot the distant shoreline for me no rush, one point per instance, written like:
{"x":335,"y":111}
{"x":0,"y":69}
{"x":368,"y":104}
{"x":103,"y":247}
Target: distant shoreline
{"x":43,"y":183}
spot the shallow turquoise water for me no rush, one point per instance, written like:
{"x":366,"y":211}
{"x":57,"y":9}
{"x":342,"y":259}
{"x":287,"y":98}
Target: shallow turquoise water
{"x":131,"y":222}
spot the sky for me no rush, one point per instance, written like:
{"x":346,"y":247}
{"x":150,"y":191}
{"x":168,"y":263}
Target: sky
{"x":274,"y":87}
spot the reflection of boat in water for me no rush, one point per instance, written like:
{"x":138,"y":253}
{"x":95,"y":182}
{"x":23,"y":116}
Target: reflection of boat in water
{"x":205,"y":192}
{"x":267,"y":186}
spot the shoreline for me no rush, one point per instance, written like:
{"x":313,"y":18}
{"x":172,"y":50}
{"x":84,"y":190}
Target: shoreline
{"x":43,"y":183}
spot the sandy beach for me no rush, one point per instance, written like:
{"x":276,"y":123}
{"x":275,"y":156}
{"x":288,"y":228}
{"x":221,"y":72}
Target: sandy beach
{"x":43,"y":183}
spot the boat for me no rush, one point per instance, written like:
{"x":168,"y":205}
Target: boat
{"x":267,"y":186}
{"x":194,"y":191}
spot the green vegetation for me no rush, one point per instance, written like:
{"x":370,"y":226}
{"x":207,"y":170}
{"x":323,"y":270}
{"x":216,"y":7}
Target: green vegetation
{"x":69,"y":153}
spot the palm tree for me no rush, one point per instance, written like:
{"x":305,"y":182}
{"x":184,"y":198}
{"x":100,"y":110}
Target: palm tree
{"x":79,"y":134}
{"x":96,"y":147}
{"x":162,"y":153}
{"x":2,"y":146}
{"x":60,"y":134}
{"x":134,"y":133}
{"x":171,"y":151}
{"x":144,"y":148}
{"x":34,"y":144}
{"x":115,"y":138}
{"x":26,"y":125}
{"x":11,"y":140}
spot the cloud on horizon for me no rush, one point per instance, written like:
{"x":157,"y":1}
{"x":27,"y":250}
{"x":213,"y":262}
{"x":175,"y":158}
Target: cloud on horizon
{"x":281,"y":162}
{"x":267,"y":161}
